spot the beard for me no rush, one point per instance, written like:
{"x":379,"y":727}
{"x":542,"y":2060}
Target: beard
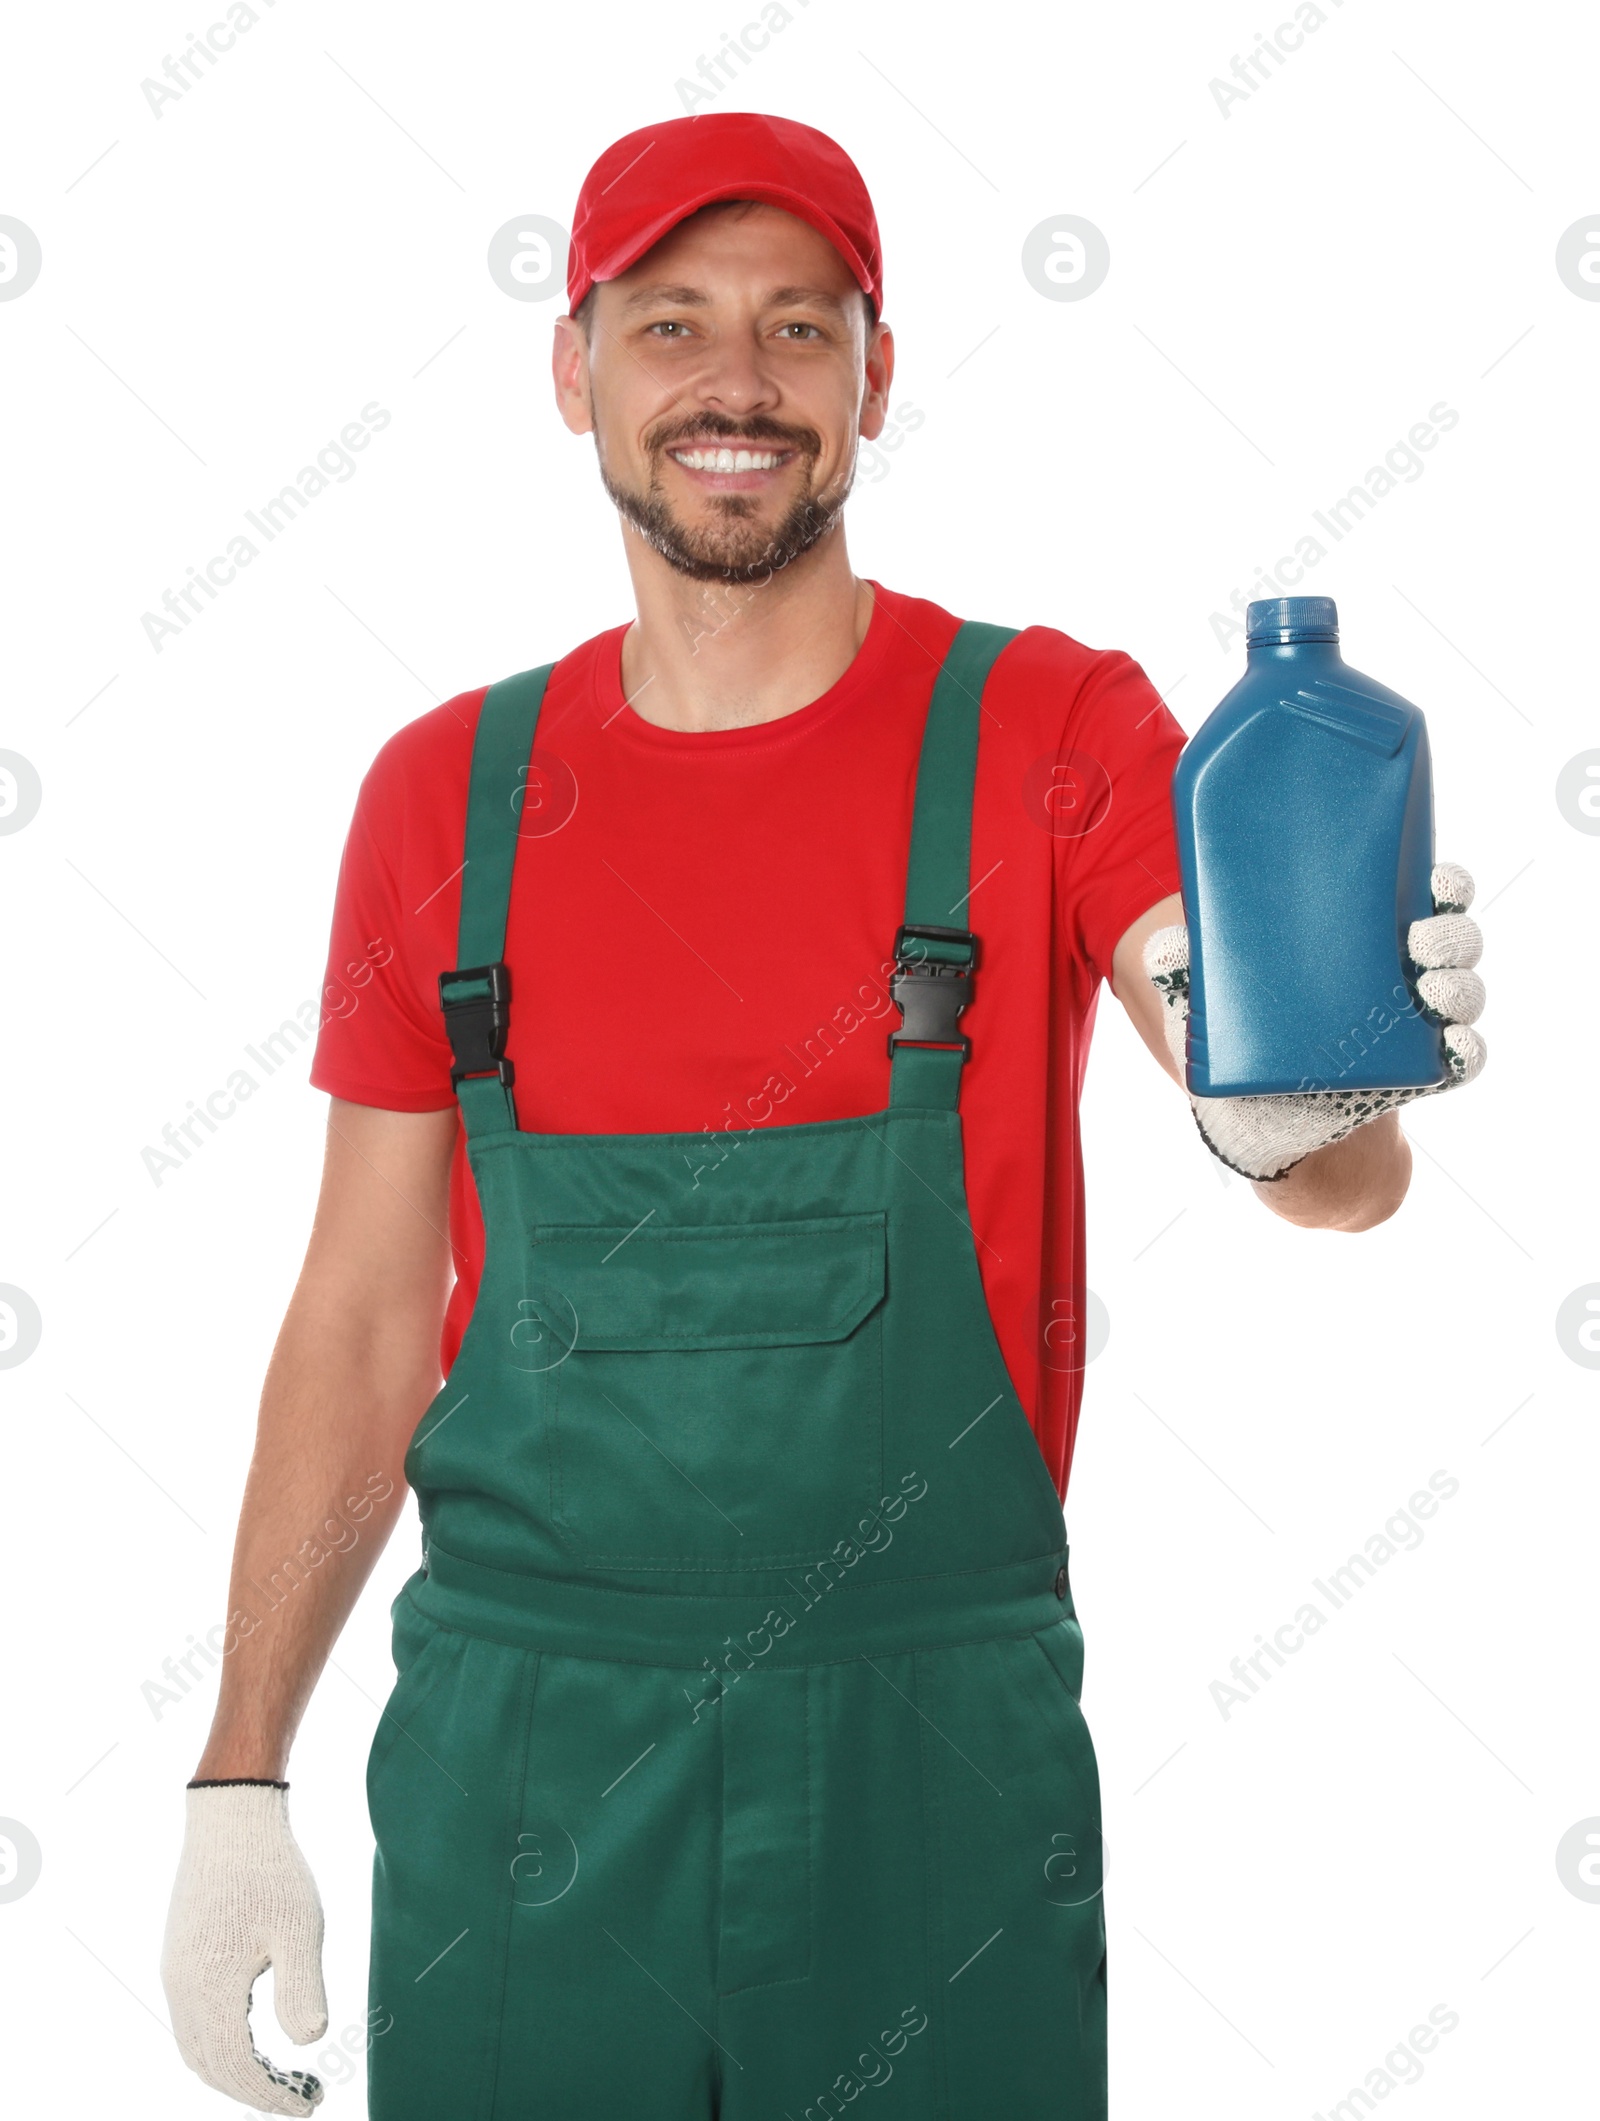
{"x":736,"y":547}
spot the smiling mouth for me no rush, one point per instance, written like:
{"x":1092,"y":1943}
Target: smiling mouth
{"x":725,"y":460}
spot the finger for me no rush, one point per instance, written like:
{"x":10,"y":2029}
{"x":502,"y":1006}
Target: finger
{"x":1452,"y":888}
{"x":1465,"y":1052}
{"x":297,"y":1987}
{"x":1166,"y":950}
{"x":225,"y":2056}
{"x":1454,"y":996}
{"x":1444,"y":939}
{"x":283,"y":2091}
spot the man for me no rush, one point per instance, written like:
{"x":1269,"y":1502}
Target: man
{"x":735,"y":1760}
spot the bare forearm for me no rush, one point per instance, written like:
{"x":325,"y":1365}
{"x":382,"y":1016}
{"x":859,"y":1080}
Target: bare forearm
{"x":354,"y":1368}
{"x":1350,"y":1185}
{"x":324,"y":1489}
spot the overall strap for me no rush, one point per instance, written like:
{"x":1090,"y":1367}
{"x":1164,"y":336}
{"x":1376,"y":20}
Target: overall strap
{"x":476,"y":997}
{"x":935,"y":960}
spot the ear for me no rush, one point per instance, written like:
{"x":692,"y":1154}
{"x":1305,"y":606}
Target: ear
{"x":569,"y":371}
{"x":879,"y":376}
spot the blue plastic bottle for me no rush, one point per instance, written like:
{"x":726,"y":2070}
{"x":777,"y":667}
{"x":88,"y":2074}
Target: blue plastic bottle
{"x":1304,"y":811}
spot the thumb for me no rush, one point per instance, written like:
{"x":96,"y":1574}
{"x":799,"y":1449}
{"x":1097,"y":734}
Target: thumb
{"x":298,"y":1994}
{"x":1166,"y":951}
{"x":1166,"y":965}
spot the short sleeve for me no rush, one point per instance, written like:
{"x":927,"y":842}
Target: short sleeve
{"x":381,"y":1039}
{"x":1123,"y":744}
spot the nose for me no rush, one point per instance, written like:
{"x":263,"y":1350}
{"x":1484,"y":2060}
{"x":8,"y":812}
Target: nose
{"x":735,"y":380}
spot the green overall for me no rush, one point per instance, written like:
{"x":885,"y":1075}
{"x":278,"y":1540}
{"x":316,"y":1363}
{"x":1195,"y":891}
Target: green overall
{"x":735,"y":1765}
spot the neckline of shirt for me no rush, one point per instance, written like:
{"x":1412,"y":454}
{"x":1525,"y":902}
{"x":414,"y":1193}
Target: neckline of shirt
{"x":619,"y":717}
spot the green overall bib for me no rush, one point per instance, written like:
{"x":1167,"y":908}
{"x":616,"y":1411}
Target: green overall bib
{"x":735,"y":1766}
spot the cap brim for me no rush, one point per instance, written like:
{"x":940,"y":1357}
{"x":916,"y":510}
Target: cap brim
{"x":617,"y":262}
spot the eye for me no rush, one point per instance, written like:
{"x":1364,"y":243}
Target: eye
{"x":667,"y":324}
{"x":798,"y":325}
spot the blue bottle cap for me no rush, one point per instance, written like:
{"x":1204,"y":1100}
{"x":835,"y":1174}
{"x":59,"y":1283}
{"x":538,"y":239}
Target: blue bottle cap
{"x":1280,"y":620}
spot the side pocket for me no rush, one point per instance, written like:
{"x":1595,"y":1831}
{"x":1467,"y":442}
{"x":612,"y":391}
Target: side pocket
{"x":1076,"y":1870}
{"x":1062,"y":1645}
{"x":422,"y":1653}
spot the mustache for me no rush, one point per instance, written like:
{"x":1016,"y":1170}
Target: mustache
{"x":722,"y":427}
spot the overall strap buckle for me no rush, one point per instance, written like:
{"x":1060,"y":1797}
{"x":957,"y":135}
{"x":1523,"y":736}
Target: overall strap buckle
{"x":476,"y":1001}
{"x":931,"y":985}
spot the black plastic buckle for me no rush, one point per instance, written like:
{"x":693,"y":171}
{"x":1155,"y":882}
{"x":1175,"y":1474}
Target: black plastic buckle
{"x":476,"y":1001}
{"x":929,"y":992}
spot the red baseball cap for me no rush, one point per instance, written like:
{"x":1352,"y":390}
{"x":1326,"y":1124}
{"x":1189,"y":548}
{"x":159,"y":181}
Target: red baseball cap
{"x":647,"y":182}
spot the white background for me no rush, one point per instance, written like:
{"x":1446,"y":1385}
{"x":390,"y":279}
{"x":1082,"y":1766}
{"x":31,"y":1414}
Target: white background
{"x":1294,"y":283}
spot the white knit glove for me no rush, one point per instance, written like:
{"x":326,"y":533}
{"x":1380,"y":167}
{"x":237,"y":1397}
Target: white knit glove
{"x":244,"y":1900}
{"x":1263,"y":1137}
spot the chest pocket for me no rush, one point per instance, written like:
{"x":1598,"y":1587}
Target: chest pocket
{"x":713,"y":1396}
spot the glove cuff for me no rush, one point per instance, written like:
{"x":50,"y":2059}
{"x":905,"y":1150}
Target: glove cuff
{"x":1285,"y":1160}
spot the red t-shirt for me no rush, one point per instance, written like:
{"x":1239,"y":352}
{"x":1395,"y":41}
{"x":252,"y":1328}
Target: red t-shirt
{"x":700,"y":938}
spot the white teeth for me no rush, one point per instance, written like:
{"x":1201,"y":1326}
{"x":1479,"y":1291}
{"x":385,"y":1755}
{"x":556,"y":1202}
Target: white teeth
{"x":727,"y":459}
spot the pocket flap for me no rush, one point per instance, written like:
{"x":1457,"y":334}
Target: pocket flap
{"x":717,"y":1285}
